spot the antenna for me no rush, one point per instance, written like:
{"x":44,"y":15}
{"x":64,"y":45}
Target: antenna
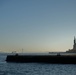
{"x":74,"y":40}
{"x":22,"y":50}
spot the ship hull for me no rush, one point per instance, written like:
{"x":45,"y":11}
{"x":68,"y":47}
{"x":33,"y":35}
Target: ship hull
{"x":42,"y":59}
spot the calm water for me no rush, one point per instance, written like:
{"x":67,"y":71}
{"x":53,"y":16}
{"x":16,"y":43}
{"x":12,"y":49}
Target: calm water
{"x":35,"y":68}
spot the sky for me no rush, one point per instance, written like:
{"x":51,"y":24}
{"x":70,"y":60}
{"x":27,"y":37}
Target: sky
{"x":37,"y":25}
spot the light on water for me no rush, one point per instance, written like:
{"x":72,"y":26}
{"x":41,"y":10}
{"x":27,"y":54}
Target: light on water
{"x":35,"y":68}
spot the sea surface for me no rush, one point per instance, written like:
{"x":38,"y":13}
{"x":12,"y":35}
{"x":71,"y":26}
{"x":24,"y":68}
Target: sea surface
{"x":35,"y":68}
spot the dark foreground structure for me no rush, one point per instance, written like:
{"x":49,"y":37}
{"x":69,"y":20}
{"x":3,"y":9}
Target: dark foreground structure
{"x":54,"y":59}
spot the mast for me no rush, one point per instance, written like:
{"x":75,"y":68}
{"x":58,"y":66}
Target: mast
{"x":74,"y":40}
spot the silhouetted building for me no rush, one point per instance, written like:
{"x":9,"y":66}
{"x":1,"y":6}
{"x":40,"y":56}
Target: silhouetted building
{"x":74,"y":47}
